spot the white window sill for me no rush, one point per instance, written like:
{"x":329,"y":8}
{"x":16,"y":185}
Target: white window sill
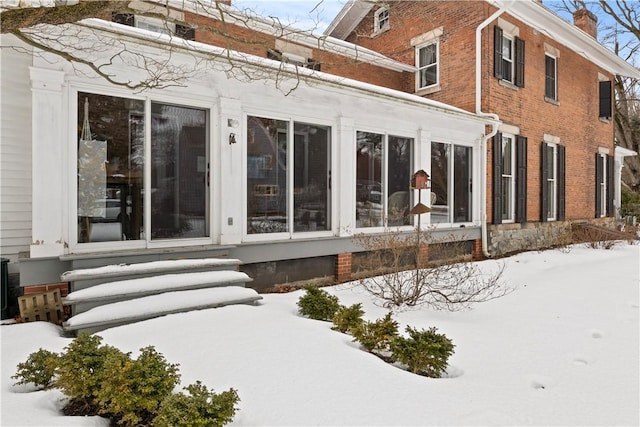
{"x":428,"y":90}
{"x":552,"y":101}
{"x":508,"y":84}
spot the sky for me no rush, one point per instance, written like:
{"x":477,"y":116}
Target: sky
{"x":561,"y":349}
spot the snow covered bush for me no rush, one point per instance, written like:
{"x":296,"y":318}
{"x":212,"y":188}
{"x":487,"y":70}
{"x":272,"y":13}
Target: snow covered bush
{"x":39,"y":369}
{"x":376,"y":336}
{"x":132,"y":390}
{"x":347,"y":319}
{"x":424,"y":352}
{"x":200,"y":407}
{"x":318,"y":304}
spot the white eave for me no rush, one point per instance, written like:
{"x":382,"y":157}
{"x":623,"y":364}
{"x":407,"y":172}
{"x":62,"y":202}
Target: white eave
{"x":624,"y":152}
{"x":148,"y":37}
{"x":550,"y":24}
{"x":528,"y":11}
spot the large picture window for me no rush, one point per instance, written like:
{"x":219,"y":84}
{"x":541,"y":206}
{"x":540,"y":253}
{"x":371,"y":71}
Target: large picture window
{"x":288,"y":176}
{"x":451,"y":180}
{"x":383,"y":173}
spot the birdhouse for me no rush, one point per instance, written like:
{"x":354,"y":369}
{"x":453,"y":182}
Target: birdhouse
{"x":420,"y":180}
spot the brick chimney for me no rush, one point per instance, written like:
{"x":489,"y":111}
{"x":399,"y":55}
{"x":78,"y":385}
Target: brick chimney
{"x":586,"y":21}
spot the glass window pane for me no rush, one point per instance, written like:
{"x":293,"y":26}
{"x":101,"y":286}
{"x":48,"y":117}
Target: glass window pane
{"x":551,"y":199}
{"x":428,"y":76}
{"x":506,"y":156}
{"x":110,"y":168}
{"x":462,"y":184}
{"x":507,"y":194}
{"x":440,"y":182}
{"x":369,"y":191}
{"x":427,"y":55}
{"x":311,"y":193}
{"x":400,"y":164}
{"x":267,"y":175}
{"x":551,"y":171}
{"x":178,"y":172}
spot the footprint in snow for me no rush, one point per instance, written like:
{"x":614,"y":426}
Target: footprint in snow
{"x":539,"y":382}
{"x":597,"y":334}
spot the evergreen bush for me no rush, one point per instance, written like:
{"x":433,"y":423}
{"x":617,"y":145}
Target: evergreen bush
{"x":347,"y":319}
{"x":200,"y":407}
{"x":318,"y":304}
{"x":376,"y":336}
{"x":424,"y":352}
{"x":81,"y":370}
{"x":132,"y":390}
{"x":39,"y":369}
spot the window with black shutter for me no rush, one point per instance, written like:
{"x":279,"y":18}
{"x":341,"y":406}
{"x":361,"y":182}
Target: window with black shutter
{"x":600,"y":185}
{"x":521,"y":179}
{"x":609,"y":188}
{"x":550,"y":77}
{"x":561,"y":183}
{"x":497,"y":179}
{"x":508,"y":57}
{"x":605,"y":100}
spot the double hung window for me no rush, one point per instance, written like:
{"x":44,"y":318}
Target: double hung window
{"x":288,"y":176}
{"x":509,"y":178}
{"x":604,"y":185}
{"x":451,"y":183}
{"x":427,"y":56}
{"x":509,"y":55}
{"x":550,"y":77}
{"x":383,"y":171}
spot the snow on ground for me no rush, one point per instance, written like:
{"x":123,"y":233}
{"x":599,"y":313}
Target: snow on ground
{"x":562,"y":349}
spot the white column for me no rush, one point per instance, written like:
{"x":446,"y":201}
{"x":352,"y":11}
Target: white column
{"x":229,"y":173}
{"x":344,"y":178}
{"x":48,"y":150}
{"x":423,"y":160}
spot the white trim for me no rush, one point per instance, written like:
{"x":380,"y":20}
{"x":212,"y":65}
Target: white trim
{"x":551,"y":139}
{"x":508,"y":28}
{"x":427,"y":37}
{"x":512,"y":189}
{"x":377,"y":20}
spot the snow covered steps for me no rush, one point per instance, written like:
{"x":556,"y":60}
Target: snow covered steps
{"x":135,"y":310}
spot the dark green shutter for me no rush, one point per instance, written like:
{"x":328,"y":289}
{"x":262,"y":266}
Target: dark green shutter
{"x":497,"y":179}
{"x":610,"y":175}
{"x":544,"y":173}
{"x":519,"y":80}
{"x":497,"y":53}
{"x":521,"y":179}
{"x":560,"y":183}
{"x":605,"y":100}
{"x":599,"y":178}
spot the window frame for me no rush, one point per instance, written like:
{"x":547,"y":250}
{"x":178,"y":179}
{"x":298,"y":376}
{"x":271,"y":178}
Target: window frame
{"x":381,"y":23}
{"x":552,"y":169}
{"x":290,"y":233}
{"x":510,"y":62}
{"x":384,"y":174}
{"x":147,"y":242}
{"x":511,"y":177}
{"x":436,"y":64}
{"x":553,"y":78}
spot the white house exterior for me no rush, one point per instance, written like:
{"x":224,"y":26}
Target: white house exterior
{"x":218,"y":167}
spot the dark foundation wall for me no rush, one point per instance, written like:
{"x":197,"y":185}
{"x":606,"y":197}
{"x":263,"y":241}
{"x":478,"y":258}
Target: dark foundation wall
{"x":267,"y":274}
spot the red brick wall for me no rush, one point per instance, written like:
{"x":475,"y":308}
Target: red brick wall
{"x":343,"y":267}
{"x":575,"y":120}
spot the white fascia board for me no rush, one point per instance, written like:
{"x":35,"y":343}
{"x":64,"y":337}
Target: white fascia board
{"x":305,"y":38}
{"x":348,"y":18}
{"x":155,"y":39}
{"x":567,"y":34}
{"x":624,"y":152}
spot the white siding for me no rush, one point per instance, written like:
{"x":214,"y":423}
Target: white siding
{"x":15,"y":151}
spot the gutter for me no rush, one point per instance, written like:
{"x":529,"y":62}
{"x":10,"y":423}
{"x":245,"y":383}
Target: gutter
{"x":494,"y":124}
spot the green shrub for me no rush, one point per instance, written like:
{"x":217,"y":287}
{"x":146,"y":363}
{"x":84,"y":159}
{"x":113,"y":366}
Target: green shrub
{"x":81,"y":370}
{"x":199,"y":408}
{"x":39,"y":369}
{"x":424,"y":351}
{"x":347,"y":319}
{"x":376,"y":336}
{"x":132,"y":390}
{"x":318,"y":304}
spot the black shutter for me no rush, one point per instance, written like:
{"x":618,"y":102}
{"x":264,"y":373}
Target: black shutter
{"x":497,"y":53}
{"x":123,"y":18}
{"x":605,"y":100}
{"x":610,"y":175}
{"x":497,"y":178}
{"x":521,"y":179}
{"x":560,"y":183}
{"x":599,"y":178}
{"x":519,"y":80}
{"x":185,"y":32}
{"x":544,"y":193}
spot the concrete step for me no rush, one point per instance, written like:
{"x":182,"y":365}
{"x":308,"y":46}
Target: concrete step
{"x":135,"y":288}
{"x":135,"y":310}
{"x":88,"y":277}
